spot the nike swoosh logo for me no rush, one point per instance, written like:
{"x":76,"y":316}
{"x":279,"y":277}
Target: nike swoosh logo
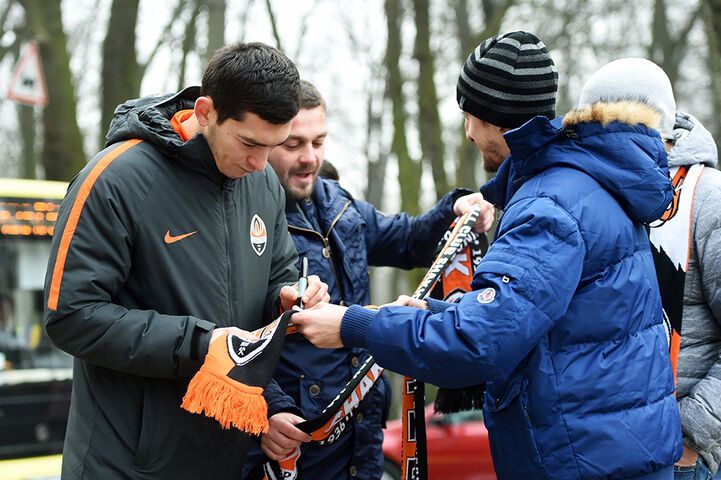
{"x":172,"y":239}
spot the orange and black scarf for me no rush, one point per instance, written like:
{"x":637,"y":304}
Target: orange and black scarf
{"x":455,"y":282}
{"x":229,"y":385}
{"x":671,"y":239}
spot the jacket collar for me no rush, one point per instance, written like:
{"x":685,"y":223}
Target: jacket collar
{"x":328,"y":199}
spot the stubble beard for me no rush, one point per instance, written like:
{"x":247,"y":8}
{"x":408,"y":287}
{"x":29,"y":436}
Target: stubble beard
{"x":299,"y":193}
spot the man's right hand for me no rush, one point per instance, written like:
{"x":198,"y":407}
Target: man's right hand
{"x":282,"y":437}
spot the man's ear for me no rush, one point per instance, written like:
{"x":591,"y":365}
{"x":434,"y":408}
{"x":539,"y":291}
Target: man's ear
{"x":203,"y":110}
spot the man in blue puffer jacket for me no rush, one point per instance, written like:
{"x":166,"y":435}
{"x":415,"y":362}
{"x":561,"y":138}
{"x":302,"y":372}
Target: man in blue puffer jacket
{"x":341,"y":236}
{"x":564,"y":323}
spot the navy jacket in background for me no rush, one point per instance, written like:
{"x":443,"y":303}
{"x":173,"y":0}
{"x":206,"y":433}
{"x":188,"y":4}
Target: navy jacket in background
{"x":341,"y":237}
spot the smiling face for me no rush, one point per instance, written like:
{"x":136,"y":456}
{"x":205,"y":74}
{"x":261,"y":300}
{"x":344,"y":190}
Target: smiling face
{"x":239,"y":147}
{"x":298,"y":159}
{"x":489,"y":140}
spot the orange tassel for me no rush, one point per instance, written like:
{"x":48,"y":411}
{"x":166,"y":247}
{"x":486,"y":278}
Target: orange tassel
{"x":228,"y":404}
{"x":212,"y":393}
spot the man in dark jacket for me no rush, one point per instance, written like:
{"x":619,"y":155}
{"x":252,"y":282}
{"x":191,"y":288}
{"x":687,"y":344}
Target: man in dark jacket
{"x":564,"y":324}
{"x":341,"y":236}
{"x":171,"y":236}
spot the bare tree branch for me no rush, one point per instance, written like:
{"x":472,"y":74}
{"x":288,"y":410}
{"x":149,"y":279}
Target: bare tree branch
{"x":273,"y":25}
{"x":679,"y":50}
{"x":244,"y":19}
{"x":165,"y":36}
{"x":303,"y":29}
{"x":667,"y":49}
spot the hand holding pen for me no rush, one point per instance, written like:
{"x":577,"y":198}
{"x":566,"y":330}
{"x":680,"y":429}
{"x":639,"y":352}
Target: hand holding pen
{"x":309,"y":287}
{"x":302,"y":281}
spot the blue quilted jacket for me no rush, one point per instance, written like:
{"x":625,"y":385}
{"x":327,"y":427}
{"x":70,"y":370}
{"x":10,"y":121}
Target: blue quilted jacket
{"x":564,"y":324}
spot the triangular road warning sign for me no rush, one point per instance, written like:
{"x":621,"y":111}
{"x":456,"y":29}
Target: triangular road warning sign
{"x":27,"y":85}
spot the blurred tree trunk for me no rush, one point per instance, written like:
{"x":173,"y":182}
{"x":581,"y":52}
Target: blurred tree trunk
{"x":409,"y":171}
{"x":26,"y":114}
{"x":494,"y":12}
{"x":121,"y":72}
{"x":4,"y":14}
{"x":63,"y":155}
{"x":666,"y":49}
{"x":429,"y":122}
{"x":468,"y":154}
{"x":216,"y":26}
{"x":565,"y":43}
{"x":188,"y":43}
{"x":712,"y":15}
{"x":376,"y":166}
{"x":26,"y":122}
{"x":374,"y":151}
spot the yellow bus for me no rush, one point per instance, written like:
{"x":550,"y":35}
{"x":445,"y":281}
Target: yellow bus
{"x":35,"y":377}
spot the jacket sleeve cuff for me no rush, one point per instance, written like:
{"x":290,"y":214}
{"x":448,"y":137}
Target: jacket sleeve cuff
{"x":278,"y":401}
{"x":458,"y":193}
{"x":437,"y":306}
{"x":199,"y":344}
{"x":354,"y":326}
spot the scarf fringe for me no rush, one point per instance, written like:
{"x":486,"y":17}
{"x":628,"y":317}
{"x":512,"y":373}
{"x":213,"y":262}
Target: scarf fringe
{"x":452,"y":400}
{"x":215,"y":397}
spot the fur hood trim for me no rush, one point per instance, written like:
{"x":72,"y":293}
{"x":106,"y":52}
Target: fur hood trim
{"x":629,"y":112}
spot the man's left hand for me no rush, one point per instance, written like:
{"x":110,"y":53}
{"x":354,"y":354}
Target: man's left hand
{"x":406,"y":301}
{"x":283,"y":437}
{"x":485,"y":219}
{"x":315,"y":293}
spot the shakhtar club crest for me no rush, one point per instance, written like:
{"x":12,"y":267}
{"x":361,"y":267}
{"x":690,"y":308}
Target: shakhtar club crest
{"x":258,"y":235}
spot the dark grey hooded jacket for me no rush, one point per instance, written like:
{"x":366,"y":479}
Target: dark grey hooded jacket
{"x":699,"y":362}
{"x":152,"y":251}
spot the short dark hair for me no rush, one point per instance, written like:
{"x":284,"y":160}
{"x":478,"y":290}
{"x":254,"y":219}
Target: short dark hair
{"x":252,"y":77}
{"x":310,"y":97}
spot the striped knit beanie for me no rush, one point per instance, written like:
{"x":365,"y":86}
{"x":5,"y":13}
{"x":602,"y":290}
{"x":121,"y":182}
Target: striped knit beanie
{"x":509,"y":79}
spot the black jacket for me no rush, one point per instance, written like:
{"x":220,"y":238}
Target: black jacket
{"x":134,"y":295}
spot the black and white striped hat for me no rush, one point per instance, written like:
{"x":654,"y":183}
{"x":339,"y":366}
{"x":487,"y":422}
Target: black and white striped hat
{"x":509,"y":79}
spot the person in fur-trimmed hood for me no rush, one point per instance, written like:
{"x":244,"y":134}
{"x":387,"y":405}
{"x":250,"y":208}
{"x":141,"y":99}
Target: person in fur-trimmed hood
{"x":564,"y":324}
{"x":688,"y":262}
{"x":687,"y":256}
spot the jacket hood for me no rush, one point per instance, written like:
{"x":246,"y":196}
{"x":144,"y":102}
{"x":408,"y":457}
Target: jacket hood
{"x":694,"y":144}
{"x":148,"y":119}
{"x":615,"y":144}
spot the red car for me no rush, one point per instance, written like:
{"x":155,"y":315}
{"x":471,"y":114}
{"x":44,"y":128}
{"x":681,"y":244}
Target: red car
{"x":457,"y":447}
